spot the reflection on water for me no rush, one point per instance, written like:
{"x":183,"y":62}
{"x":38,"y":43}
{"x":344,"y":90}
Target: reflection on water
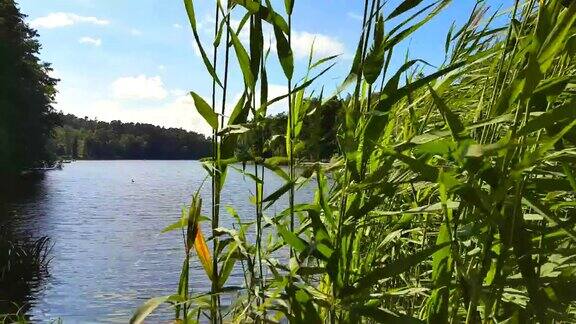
{"x":105,"y":218}
{"x":24,"y":259}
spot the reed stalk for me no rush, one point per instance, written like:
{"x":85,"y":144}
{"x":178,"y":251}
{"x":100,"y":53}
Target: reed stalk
{"x":450,"y":198}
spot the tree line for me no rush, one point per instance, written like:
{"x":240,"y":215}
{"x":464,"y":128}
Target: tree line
{"x":83,"y":138}
{"x":27,"y":92}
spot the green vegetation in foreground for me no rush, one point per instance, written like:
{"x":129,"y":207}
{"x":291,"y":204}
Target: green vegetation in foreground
{"x":453,"y":193}
{"x":26,"y":95}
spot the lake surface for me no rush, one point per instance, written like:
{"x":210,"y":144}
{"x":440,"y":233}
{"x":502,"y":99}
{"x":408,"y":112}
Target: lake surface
{"x":104,"y":219}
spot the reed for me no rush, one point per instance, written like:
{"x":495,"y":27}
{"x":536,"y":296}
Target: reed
{"x":452,"y":198}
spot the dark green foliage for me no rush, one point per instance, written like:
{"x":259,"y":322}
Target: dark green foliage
{"x":26,"y":94}
{"x":82,"y":138}
{"x":24,"y":263}
{"x":318,"y":134}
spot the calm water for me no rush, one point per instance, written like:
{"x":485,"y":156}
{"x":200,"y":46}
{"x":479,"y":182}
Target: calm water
{"x":105,"y":218}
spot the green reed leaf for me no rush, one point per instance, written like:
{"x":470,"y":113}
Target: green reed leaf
{"x":271,"y":199}
{"x":205,"y":110}
{"x":296,"y":89}
{"x":149,"y":306}
{"x":267,"y":13}
{"x":322,"y":186}
{"x":381,"y":315}
{"x":556,"y":37}
{"x":228,"y":266}
{"x":284,"y":53}
{"x":289,"y":4}
{"x":554,"y":86}
{"x":538,"y":207}
{"x":549,"y":118}
{"x":374,"y":61}
{"x":256,"y":45}
{"x":400,"y":36}
{"x":292,"y":239}
{"x":451,"y":118}
{"x":243,"y":58}
{"x":403,"y":7}
{"x":393,"y":268}
{"x":192,"y":18}
{"x":323,"y":60}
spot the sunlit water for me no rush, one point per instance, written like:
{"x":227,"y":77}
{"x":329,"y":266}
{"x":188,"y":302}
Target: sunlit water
{"x":105,"y":218}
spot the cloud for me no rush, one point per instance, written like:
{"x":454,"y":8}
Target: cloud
{"x":90,"y":41}
{"x":177,"y":110}
{"x":139,"y":88}
{"x":178,"y":113}
{"x":275,"y":90}
{"x":178,"y":92}
{"x":323,"y":45}
{"x":63,"y":19}
{"x":177,"y":26}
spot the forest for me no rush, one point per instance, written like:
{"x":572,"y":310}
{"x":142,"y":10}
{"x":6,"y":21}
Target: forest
{"x":83,"y":138}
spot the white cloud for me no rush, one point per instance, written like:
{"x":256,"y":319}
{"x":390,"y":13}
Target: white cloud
{"x":178,"y":113}
{"x":139,"y":88}
{"x":276,"y":90}
{"x":90,"y":41}
{"x":177,"y":26}
{"x":178,"y":92}
{"x":162,"y":67}
{"x":63,"y":19}
{"x":177,"y":110}
{"x":323,"y":45}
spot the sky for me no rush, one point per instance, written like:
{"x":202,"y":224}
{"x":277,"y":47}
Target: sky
{"x":136,"y":60}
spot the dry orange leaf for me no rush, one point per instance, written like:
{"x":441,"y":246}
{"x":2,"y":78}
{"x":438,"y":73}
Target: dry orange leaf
{"x":203,"y":252}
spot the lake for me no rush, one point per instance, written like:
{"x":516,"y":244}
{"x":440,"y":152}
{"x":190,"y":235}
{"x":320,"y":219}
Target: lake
{"x":104,"y":219}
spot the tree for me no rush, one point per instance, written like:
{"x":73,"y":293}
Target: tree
{"x":90,"y":139}
{"x":26,"y":94}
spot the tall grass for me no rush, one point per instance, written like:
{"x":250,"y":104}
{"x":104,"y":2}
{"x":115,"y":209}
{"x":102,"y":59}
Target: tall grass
{"x":452,"y":198}
{"x":24,"y":264}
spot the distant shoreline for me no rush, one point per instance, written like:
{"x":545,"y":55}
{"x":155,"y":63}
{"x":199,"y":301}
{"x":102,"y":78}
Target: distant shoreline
{"x":135,"y":159}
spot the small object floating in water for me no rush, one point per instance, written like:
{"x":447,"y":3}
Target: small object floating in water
{"x":132,"y":180}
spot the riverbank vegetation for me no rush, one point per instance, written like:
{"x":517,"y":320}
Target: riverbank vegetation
{"x":26,"y":95}
{"x":83,"y":138}
{"x":23,"y":266}
{"x":452,"y":196}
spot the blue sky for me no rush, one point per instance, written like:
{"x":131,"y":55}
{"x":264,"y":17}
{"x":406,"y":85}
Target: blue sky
{"x":135,"y":60}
